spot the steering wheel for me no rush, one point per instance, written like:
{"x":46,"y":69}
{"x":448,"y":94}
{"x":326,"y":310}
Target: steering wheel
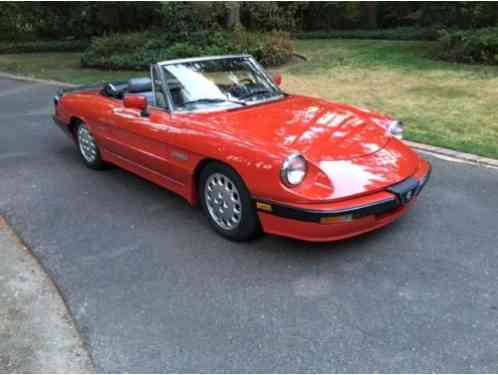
{"x":245,"y":81}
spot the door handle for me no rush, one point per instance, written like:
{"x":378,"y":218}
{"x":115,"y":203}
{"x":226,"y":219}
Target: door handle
{"x":125,"y":112}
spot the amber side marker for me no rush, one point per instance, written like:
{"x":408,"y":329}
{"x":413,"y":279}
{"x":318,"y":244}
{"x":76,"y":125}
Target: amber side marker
{"x":336,"y":219}
{"x":263,"y":206}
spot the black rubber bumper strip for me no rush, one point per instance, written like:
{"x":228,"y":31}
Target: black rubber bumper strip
{"x":410,"y":186}
{"x":424,"y":180}
{"x":316,"y":216}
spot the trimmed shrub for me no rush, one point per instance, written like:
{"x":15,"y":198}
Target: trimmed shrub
{"x":277,"y":49}
{"x":472,"y":46}
{"x":136,"y":51}
{"x":116,"y":44}
{"x":179,"y":50}
{"x":400,"y":33}
{"x":274,"y":48}
{"x":44,"y":46}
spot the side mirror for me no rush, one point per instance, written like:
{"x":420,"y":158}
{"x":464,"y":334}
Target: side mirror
{"x":277,"y":79}
{"x":136,"y":102}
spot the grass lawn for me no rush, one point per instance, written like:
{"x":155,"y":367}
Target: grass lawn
{"x":449,"y":105}
{"x":58,"y":66}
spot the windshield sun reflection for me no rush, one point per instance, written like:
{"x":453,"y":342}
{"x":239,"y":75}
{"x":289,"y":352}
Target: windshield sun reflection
{"x":219,"y":83}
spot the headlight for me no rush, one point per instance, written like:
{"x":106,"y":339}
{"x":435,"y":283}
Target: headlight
{"x":293,"y":170}
{"x":396,"y":129}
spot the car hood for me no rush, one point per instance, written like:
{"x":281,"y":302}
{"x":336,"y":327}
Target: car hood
{"x":318,"y":129}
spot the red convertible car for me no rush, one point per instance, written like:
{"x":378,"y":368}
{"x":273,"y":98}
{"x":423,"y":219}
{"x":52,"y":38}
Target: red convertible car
{"x":221,"y":133}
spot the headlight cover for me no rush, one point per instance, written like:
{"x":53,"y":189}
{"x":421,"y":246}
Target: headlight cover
{"x":396,"y":129}
{"x":293,"y":170}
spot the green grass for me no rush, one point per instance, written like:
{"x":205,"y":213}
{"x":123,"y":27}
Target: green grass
{"x":449,"y":105}
{"x":58,"y":66}
{"x":443,"y":104}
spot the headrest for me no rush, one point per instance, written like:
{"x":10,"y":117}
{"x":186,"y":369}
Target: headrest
{"x":139,"y":85}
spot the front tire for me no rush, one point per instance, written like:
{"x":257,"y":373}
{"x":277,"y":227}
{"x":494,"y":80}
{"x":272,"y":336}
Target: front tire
{"x":227,"y":204}
{"x":87,"y":147}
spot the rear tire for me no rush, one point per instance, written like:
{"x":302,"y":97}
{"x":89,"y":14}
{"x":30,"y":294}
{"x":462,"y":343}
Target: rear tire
{"x":87,"y":148}
{"x":227,"y":204}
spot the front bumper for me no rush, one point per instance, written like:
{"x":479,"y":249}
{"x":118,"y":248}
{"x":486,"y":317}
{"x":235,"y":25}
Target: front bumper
{"x":344,"y":219}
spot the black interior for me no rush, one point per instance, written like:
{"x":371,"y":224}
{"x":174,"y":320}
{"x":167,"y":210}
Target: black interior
{"x":143,"y":87}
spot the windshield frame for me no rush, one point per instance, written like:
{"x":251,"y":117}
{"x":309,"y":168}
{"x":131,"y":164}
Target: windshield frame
{"x":254,"y":64}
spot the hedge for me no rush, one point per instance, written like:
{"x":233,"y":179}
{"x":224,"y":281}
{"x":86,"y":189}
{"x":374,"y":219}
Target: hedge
{"x":44,"y":46}
{"x":472,"y":46}
{"x":136,"y":51}
{"x":400,"y":33}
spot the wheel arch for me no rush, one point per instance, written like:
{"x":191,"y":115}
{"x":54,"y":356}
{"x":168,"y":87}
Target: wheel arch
{"x":194,"y":191}
{"x":74,"y":121}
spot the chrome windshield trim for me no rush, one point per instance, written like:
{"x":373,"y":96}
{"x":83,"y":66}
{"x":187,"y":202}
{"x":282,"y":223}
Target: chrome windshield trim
{"x":279,"y":94}
{"x":204,"y":58}
{"x":231,"y":107}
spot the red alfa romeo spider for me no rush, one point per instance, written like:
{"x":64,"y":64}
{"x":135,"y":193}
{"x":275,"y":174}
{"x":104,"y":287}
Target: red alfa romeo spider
{"x":220,"y":132}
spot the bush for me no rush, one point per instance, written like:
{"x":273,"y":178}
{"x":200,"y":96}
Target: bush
{"x":119,"y":44}
{"x":400,"y":33}
{"x":136,"y":51}
{"x":270,"y":49}
{"x":44,"y":46}
{"x":473,"y":46}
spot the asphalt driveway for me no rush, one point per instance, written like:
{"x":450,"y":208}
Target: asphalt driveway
{"x":152,"y":288}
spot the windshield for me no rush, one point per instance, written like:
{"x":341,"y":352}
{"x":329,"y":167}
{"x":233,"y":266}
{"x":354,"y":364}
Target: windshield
{"x":221,"y":82}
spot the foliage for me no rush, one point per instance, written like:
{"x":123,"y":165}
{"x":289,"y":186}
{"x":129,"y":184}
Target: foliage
{"x":464,"y":15}
{"x":182,"y":18}
{"x":476,"y":46}
{"x":271,"y":15}
{"x":400,"y":33}
{"x":50,"y":20}
{"x":329,"y":15}
{"x":10,"y":23}
{"x":116,"y":44}
{"x":275,"y":49}
{"x":137,"y":51}
{"x":44,"y":46}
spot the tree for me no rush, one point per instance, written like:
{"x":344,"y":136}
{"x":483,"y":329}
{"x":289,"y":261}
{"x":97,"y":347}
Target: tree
{"x":371,"y":14}
{"x":233,"y":15}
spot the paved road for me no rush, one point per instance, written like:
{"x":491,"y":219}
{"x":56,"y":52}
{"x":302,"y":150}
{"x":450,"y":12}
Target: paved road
{"x":152,"y":288}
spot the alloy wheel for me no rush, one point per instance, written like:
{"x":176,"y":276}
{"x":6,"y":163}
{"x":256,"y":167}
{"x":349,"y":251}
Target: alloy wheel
{"x":223,"y":201}
{"x":88,"y":147}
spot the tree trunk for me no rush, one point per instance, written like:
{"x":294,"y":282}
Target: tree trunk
{"x":233,"y":15}
{"x":371,"y":14}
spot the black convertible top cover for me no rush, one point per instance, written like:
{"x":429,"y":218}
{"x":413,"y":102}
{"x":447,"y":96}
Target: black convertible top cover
{"x":136,"y":85}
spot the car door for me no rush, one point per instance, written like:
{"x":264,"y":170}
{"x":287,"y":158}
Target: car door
{"x":147,"y":141}
{"x":142,"y":140}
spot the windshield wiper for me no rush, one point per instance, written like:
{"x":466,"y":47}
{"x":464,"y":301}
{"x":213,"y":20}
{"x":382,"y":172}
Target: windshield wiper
{"x":213,"y":100}
{"x":254,"y":93}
